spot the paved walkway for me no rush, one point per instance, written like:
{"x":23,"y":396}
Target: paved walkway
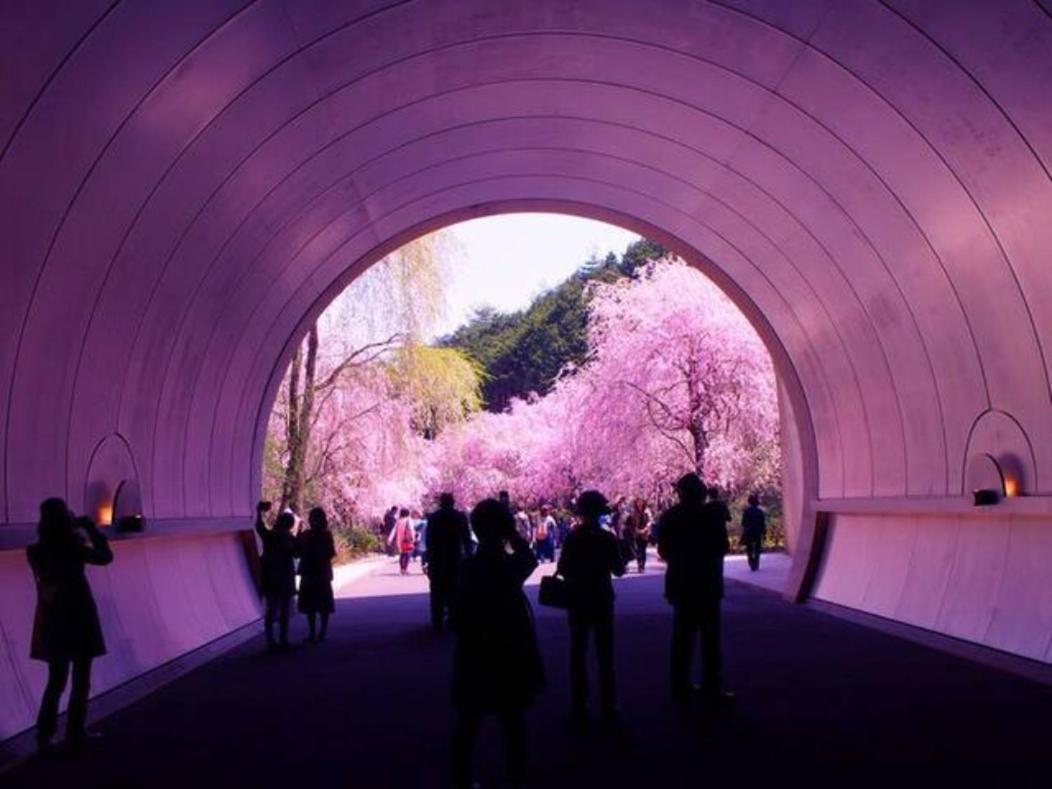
{"x":821,"y":701}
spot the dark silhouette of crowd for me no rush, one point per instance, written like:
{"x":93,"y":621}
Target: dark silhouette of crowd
{"x":497,"y":667}
{"x":476,"y":570}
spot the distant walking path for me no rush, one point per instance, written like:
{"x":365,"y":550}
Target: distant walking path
{"x":821,"y":701}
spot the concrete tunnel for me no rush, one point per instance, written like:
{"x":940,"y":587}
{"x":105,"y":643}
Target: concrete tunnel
{"x":185,"y":185}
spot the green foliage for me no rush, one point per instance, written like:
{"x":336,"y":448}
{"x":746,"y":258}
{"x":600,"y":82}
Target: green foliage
{"x":522,"y":353}
{"x":353,"y":542}
{"x":442,"y":384}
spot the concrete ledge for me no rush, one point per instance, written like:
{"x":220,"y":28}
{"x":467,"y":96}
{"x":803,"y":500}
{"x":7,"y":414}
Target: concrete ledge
{"x":22,"y":746}
{"x":16,"y":536}
{"x":938,"y":506}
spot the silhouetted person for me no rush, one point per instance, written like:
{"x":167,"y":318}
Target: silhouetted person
{"x":448,"y":543}
{"x":754,"y":529}
{"x":316,"y":550}
{"x":66,"y":630}
{"x":403,"y":539}
{"x":638,"y":529}
{"x":505,"y":499}
{"x":589,"y":558}
{"x":692,"y":539}
{"x":389,"y":519}
{"x":497,"y":665}
{"x":717,"y":504}
{"x":279,"y":573}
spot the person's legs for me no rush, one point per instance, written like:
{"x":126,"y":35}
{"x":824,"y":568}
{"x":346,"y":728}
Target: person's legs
{"x":324,"y":625}
{"x":604,"y":647}
{"x":283,"y":618}
{"x":515,"y":746}
{"x":47,"y":719}
{"x":438,"y":600}
{"x":77,"y":713}
{"x":579,"y":627}
{"x":403,"y":563}
{"x":641,"y":555}
{"x":269,"y":616}
{"x":711,"y":653}
{"x":464,"y":734}
{"x":312,"y":626}
{"x":684,"y":629}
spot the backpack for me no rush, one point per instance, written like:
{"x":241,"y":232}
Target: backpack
{"x":542,"y":530}
{"x":408,"y":541}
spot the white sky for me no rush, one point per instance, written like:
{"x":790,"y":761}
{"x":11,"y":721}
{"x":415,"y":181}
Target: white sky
{"x":506,"y":260}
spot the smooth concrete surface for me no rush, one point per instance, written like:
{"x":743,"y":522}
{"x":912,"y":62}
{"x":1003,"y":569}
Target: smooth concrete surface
{"x":981,"y":580}
{"x":184,"y":184}
{"x":820,"y":702}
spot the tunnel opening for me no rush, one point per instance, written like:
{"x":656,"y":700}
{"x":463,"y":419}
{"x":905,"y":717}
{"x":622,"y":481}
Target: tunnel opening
{"x":183,"y":188}
{"x":336,"y":381}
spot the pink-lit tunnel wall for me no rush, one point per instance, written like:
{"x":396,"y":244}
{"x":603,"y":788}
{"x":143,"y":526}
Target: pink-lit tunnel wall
{"x":184,"y":184}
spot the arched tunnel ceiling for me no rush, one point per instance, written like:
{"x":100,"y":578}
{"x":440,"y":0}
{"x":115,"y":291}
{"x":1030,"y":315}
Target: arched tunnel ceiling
{"x":182,"y":184}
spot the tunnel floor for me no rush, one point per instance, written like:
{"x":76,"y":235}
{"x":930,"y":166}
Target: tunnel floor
{"x":819,"y":700}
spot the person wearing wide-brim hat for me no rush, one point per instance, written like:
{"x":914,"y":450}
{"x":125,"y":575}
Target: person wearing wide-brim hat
{"x":590,"y":557}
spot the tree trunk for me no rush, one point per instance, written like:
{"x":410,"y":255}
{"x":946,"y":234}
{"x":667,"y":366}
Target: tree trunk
{"x":298,"y":427}
{"x":696,"y":416}
{"x":291,"y":427}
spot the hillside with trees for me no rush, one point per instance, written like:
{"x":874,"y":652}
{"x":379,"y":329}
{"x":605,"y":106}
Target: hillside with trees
{"x":522,"y":353}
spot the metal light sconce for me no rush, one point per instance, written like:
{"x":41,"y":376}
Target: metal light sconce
{"x":128,"y":507}
{"x":986,"y":480}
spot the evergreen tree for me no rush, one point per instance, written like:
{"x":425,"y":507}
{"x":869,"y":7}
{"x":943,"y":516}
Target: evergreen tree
{"x":522,"y":353}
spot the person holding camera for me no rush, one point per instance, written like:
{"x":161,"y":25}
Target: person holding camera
{"x":497,"y":665}
{"x":278,"y":565}
{"x":66,"y":630}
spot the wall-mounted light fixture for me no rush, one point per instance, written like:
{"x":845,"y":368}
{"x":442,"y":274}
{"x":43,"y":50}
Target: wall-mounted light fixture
{"x":104,"y":513}
{"x":128,"y":507}
{"x":984,"y":497}
{"x":1011,"y":487}
{"x":985,"y":479}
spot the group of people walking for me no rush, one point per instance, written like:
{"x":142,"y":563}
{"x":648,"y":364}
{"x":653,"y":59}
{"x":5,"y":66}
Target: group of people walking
{"x":497,"y":665}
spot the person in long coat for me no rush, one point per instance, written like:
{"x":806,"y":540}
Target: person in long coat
{"x":692,"y":539}
{"x":278,"y":565}
{"x":590,"y":558}
{"x":448,"y":542}
{"x":497,"y":664}
{"x":316,"y":549}
{"x":66,"y":630}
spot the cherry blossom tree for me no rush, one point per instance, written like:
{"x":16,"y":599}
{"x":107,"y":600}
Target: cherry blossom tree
{"x":675,"y":380}
{"x":360,"y":386}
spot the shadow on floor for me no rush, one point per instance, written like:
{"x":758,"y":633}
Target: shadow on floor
{"x":820,"y":700}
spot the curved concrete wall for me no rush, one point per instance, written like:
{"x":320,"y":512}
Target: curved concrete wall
{"x":182,"y":184}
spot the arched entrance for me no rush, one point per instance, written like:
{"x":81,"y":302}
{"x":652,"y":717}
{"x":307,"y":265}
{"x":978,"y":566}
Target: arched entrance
{"x":180,"y":185}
